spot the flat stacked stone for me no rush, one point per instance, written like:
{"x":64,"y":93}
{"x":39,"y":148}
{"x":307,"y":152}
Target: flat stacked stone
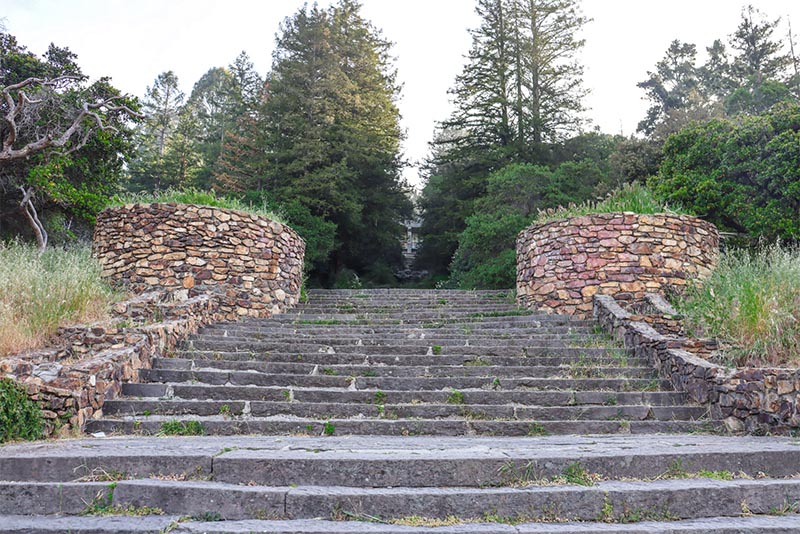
{"x":253,"y":263}
{"x":562,"y":264}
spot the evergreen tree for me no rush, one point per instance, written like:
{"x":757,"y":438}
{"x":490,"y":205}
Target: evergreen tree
{"x":162,"y":107}
{"x":332,"y":133}
{"x":519,"y":94}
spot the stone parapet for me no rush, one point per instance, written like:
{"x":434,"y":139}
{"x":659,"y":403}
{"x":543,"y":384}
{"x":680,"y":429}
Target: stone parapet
{"x":87,"y":364}
{"x":253,"y":264}
{"x":562,"y":264}
{"x":187,"y":266}
{"x":755,"y":400}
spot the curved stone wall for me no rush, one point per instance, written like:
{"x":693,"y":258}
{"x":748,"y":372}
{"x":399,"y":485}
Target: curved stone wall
{"x":253,"y":265}
{"x":562,"y":264}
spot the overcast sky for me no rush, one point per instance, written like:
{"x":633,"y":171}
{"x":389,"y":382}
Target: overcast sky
{"x":132,"y":41}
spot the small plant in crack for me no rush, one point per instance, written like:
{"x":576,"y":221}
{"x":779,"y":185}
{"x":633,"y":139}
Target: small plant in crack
{"x":455,"y":397}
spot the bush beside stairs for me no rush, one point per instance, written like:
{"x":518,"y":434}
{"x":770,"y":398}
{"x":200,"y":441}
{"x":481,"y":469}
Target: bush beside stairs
{"x":402,"y":411}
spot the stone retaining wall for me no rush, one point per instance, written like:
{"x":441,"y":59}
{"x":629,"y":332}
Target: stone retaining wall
{"x":191,"y":266}
{"x":755,"y":400}
{"x":253,"y":264}
{"x":87,"y":364}
{"x":562,"y":264}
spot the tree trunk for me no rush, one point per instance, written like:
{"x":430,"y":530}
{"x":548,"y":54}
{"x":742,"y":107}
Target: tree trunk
{"x":33,"y":218}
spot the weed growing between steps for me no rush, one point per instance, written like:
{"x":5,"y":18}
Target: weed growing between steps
{"x":181,"y":428}
{"x":529,"y":474}
{"x":20,"y":417}
{"x":102,"y":505}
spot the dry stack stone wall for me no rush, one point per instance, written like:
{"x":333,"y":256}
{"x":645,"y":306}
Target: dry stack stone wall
{"x":562,"y":264}
{"x":254,"y":265}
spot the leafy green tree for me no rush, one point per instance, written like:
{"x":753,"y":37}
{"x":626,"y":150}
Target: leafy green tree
{"x":673,"y":88}
{"x":760,"y":66}
{"x":63,"y":141}
{"x":741,"y":174}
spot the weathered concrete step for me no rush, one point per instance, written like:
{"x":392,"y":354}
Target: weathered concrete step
{"x":301,"y":324}
{"x":476,"y":368}
{"x":398,"y":332}
{"x":112,"y":524}
{"x":475,"y":306}
{"x":388,"y":462}
{"x":558,"y":355}
{"x":530,"y":398}
{"x":496,"y":349}
{"x":405,"y":340}
{"x":422,"y":322}
{"x":411,"y":314}
{"x":145,"y":408}
{"x":668,"y":499}
{"x":789,"y":524}
{"x":399,"y":383}
{"x":281,"y":425}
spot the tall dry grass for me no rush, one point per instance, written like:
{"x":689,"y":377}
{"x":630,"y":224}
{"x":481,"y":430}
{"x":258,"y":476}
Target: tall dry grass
{"x":39,"y":293}
{"x":751,"y":300}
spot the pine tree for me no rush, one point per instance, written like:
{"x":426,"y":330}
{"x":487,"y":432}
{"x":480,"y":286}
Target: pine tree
{"x":162,"y":106}
{"x":332,"y":132}
{"x":519,"y":93}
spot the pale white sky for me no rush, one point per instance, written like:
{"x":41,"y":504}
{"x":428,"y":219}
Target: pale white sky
{"x":132,"y":41}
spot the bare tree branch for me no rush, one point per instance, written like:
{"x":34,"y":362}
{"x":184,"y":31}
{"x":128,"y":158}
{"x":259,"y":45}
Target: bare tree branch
{"x":53,"y":136}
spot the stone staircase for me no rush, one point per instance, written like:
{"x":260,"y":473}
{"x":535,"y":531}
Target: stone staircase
{"x":398,"y":411}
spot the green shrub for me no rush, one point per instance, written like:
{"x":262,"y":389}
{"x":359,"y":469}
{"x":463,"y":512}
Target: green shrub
{"x":752,"y":301}
{"x":632,"y":197}
{"x":20,"y":417}
{"x":196,"y":196}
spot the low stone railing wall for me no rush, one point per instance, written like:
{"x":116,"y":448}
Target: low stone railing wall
{"x":191,"y":266}
{"x":755,"y":400}
{"x":562,"y":264}
{"x":253,"y":264}
{"x":87,"y":364}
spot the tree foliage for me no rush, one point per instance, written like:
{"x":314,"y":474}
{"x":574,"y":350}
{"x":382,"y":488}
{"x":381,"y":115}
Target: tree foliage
{"x":749,"y":76}
{"x":742,"y":174}
{"x":517,"y":99}
{"x":332,"y":132}
{"x":63,"y":140}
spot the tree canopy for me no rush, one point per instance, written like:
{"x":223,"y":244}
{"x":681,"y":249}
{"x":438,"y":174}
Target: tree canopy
{"x":63,"y":139}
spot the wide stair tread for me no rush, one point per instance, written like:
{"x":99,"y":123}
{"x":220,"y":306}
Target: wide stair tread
{"x":394,"y":411}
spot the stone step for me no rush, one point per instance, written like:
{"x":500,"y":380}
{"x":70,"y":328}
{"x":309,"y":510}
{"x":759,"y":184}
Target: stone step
{"x":331,"y":395}
{"x":419,"y":347}
{"x":477,"y":369}
{"x":532,"y":356}
{"x":759,"y":524}
{"x":403,"y":339}
{"x":422,"y":321}
{"x":282,"y":425}
{"x":394,"y":332}
{"x":663,"y":499}
{"x":109,"y":524}
{"x":474,"y":306}
{"x":145,"y":408}
{"x":242,"y":378}
{"x":364,"y":461}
